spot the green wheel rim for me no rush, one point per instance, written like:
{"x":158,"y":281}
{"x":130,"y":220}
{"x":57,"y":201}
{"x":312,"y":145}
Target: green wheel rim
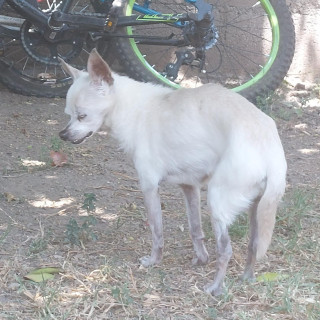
{"x":273,"y":54}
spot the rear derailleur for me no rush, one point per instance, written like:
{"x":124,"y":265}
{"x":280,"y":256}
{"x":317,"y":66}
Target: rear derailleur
{"x":184,"y":57}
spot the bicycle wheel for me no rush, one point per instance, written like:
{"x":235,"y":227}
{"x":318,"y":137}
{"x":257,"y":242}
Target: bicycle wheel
{"x":29,"y":64}
{"x":251,"y":52}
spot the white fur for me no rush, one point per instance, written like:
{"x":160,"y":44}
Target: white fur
{"x":188,"y":137}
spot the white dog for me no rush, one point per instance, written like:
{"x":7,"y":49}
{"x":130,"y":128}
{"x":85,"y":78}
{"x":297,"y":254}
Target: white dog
{"x":190,"y":137}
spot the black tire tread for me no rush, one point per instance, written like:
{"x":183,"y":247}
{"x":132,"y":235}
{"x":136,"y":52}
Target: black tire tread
{"x":18,"y":85}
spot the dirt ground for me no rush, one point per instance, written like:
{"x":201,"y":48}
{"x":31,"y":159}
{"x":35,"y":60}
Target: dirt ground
{"x":101,"y":277}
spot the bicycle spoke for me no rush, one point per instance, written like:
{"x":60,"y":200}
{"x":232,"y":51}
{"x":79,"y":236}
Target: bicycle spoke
{"x":234,"y":26}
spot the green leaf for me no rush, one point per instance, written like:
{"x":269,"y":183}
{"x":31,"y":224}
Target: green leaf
{"x":42,"y":274}
{"x":50,"y":270}
{"x":89,"y":200}
{"x":40,"y":277}
{"x":271,"y":276}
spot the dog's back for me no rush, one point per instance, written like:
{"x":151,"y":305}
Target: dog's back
{"x":185,"y":134}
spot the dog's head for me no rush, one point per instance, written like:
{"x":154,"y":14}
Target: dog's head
{"x":89,"y":99}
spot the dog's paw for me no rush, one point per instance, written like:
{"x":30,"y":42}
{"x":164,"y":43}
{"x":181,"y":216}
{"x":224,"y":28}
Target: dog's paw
{"x":249,"y":277}
{"x":213,"y":289}
{"x":147,"y":261}
{"x":200,"y":261}
{"x":201,"y":256}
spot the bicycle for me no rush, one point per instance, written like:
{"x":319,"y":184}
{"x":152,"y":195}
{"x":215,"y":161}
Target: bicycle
{"x":246,"y":45}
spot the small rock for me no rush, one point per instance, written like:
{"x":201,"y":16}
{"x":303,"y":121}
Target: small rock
{"x":300,"y":86}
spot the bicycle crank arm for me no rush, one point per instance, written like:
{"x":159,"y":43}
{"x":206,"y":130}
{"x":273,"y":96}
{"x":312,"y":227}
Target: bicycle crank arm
{"x":59,"y":20}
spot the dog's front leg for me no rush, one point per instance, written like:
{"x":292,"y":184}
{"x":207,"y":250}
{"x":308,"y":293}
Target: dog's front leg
{"x":153,"y":206}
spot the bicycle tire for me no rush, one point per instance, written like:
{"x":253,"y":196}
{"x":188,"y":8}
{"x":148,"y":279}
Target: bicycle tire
{"x":28,"y":70}
{"x":269,"y":74}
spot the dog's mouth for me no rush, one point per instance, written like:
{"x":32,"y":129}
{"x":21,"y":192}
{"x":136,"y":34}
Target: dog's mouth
{"x":77,"y":141}
{"x":66,"y":136}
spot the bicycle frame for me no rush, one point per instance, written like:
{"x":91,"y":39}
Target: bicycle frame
{"x":202,"y":6}
{"x":62,"y":21}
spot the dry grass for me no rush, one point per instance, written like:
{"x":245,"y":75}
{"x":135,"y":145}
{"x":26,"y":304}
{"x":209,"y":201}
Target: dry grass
{"x":104,"y":281}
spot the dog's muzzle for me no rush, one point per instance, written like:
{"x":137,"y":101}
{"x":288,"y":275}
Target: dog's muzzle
{"x":65,"y":135}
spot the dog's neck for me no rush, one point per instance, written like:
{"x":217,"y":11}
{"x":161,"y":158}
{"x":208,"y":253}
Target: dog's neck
{"x":128,"y":118}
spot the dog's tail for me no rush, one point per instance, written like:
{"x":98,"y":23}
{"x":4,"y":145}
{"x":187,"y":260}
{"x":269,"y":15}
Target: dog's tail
{"x":266,"y":213}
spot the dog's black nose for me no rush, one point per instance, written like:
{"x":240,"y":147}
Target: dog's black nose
{"x":64,"y":134}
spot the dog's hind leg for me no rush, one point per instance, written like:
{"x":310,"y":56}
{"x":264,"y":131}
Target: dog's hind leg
{"x":192,"y":197}
{"x":224,"y":253}
{"x":226,"y":202}
{"x":153,"y":206}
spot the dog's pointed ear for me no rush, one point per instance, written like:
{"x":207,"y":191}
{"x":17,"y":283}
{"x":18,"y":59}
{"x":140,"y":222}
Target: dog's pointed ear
{"x":98,"y":69}
{"x":71,"y":71}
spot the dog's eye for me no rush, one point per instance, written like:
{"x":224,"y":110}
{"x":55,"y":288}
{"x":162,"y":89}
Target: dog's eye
{"x":81,"y":116}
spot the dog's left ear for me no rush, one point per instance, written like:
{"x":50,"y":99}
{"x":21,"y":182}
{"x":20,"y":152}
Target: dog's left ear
{"x":73,"y":72}
{"x":98,"y":69}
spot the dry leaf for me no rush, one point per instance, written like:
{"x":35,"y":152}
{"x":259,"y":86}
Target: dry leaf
{"x":151,"y":299}
{"x":58,"y":158}
{"x":9,"y":196}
